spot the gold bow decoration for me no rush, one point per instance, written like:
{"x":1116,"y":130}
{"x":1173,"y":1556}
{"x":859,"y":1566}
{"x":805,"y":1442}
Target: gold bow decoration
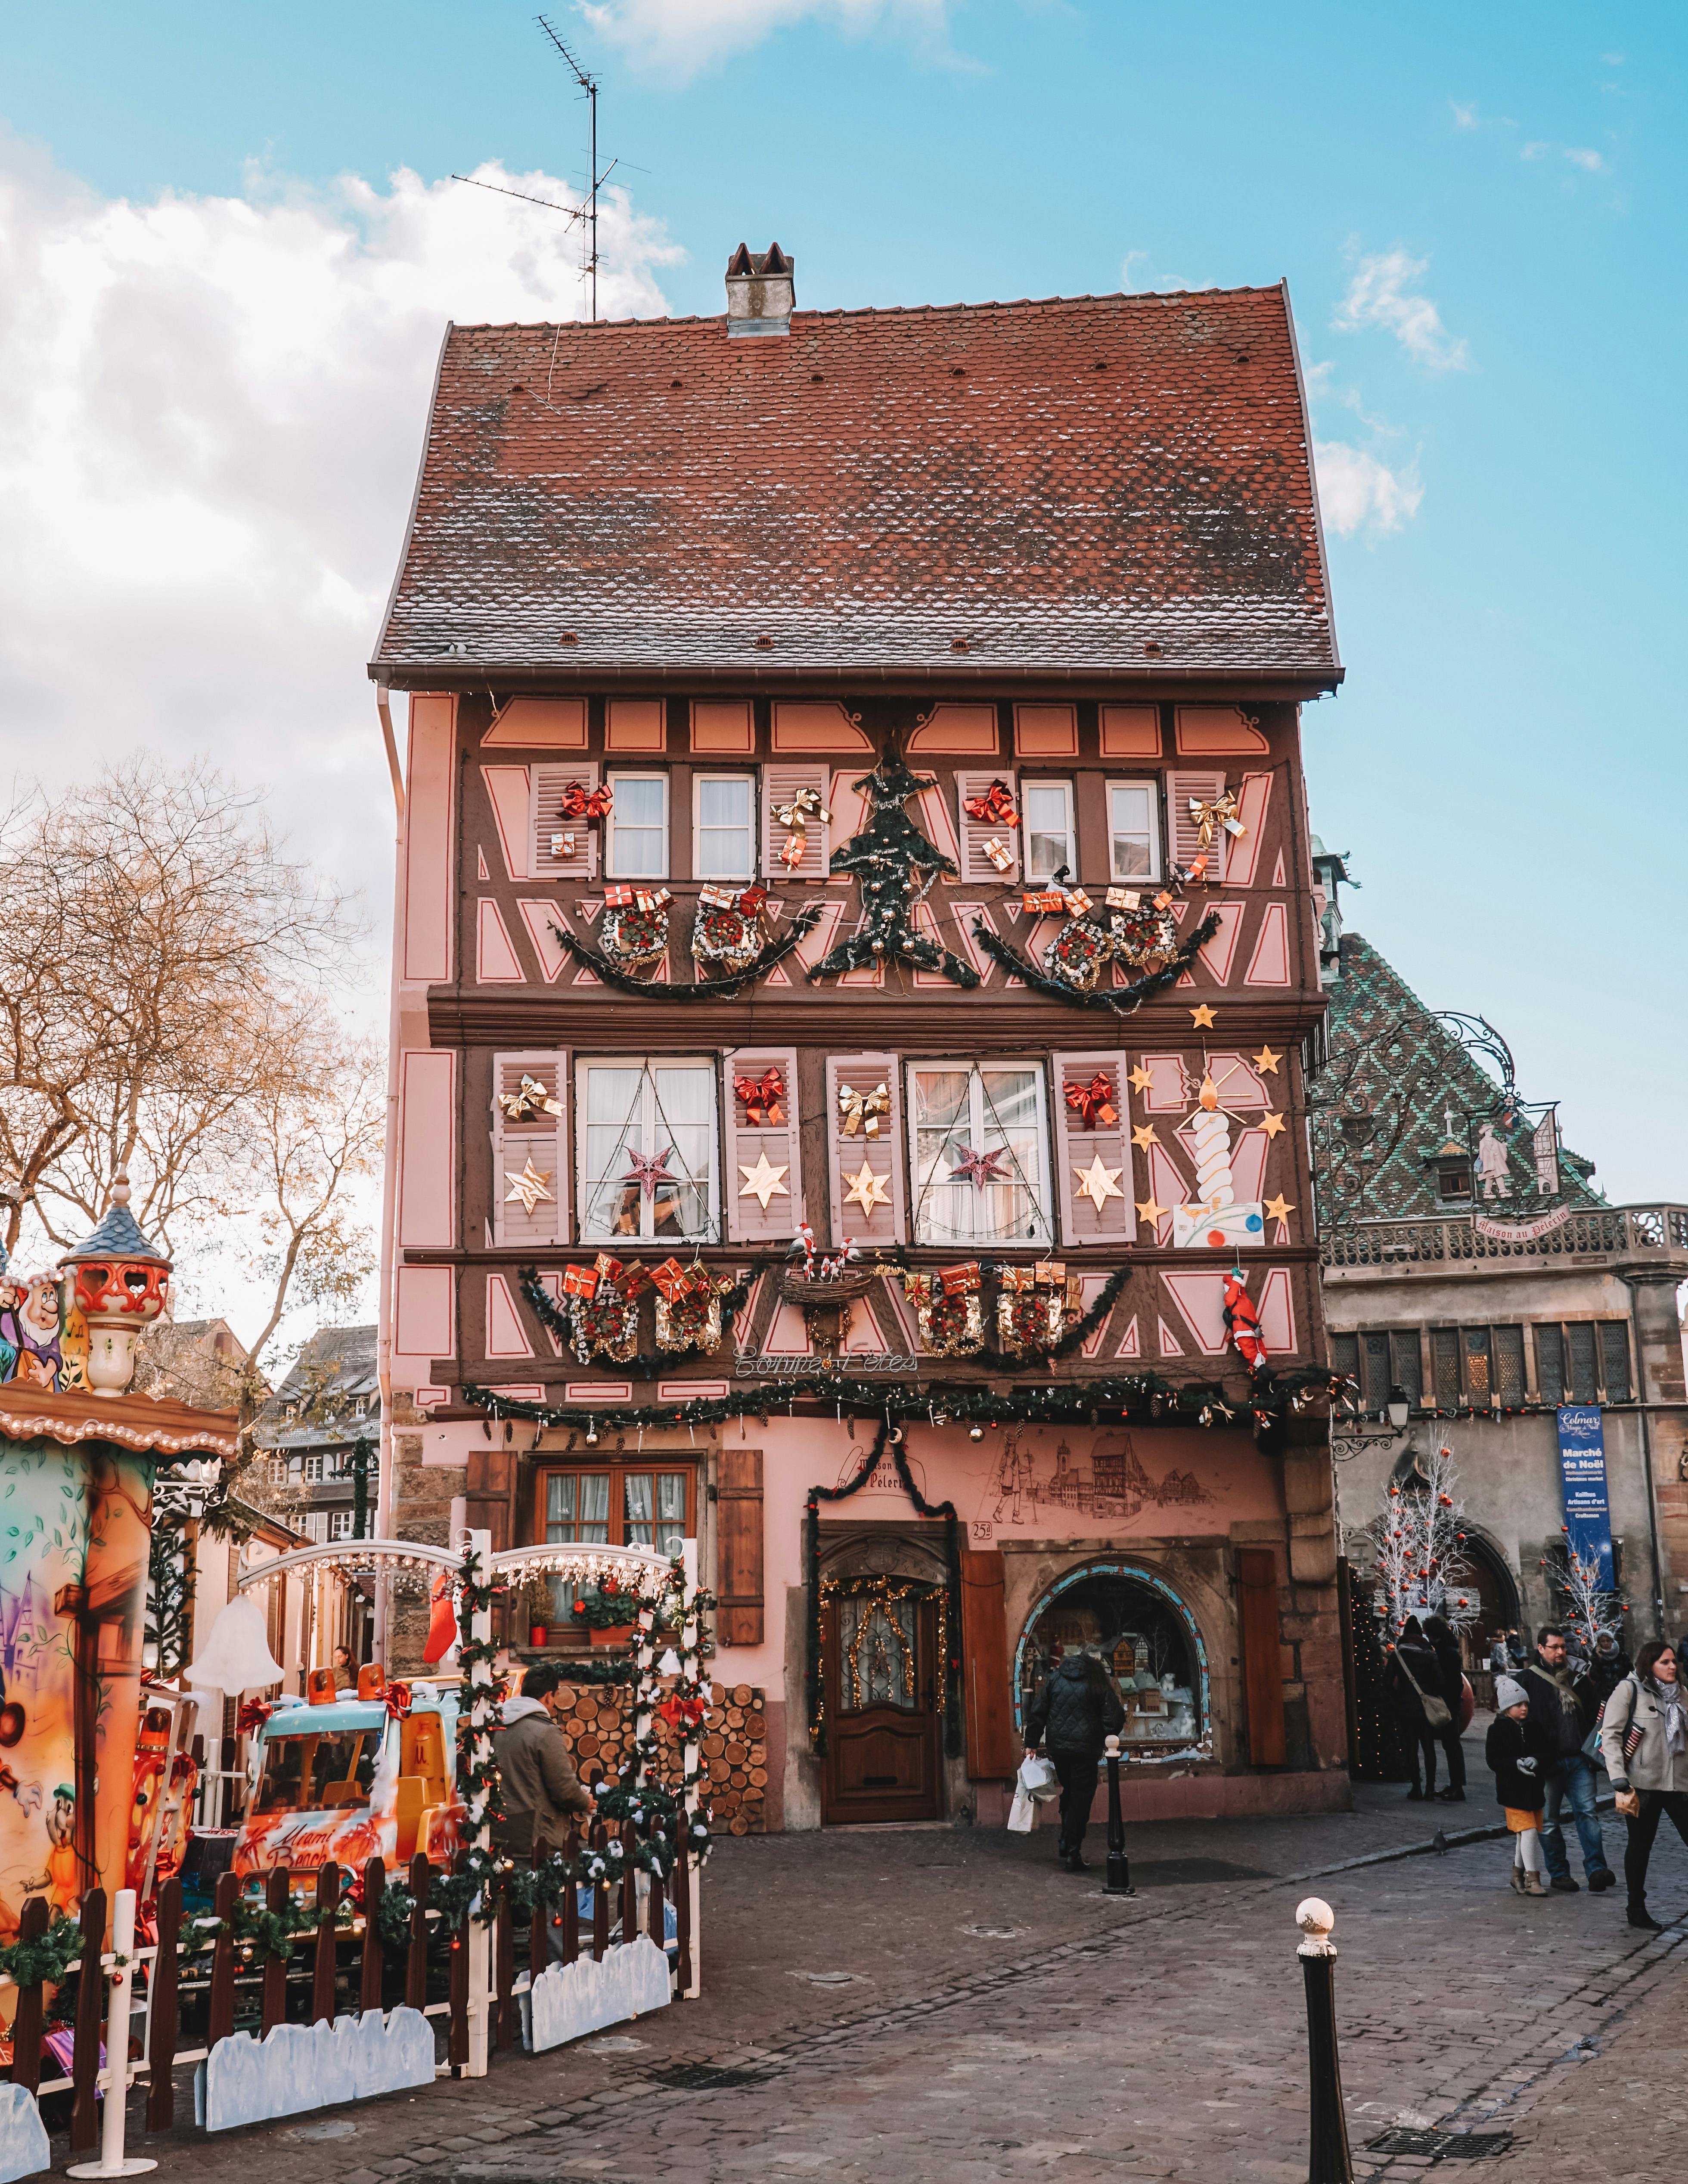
{"x":795,"y":817}
{"x":1222,"y":812}
{"x":529,"y":1101}
{"x":860,"y":1111}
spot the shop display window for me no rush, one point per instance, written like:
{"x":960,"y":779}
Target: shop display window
{"x":1143,"y":1641}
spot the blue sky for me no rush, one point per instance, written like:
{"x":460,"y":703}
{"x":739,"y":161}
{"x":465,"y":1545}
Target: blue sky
{"x":1479,"y":212}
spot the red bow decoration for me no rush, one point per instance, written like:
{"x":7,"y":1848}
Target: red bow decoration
{"x":397,"y":1701}
{"x":1243,"y":1321}
{"x":580,"y":802}
{"x":996,"y":808}
{"x":675,"y":1711}
{"x":254,"y":1713}
{"x":1093,"y":1103}
{"x":761,"y":1097}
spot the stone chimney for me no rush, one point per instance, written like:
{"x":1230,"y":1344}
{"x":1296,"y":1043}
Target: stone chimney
{"x":760,"y":291}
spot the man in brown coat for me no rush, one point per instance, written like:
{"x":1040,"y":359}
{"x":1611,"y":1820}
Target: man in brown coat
{"x":542,"y":1795}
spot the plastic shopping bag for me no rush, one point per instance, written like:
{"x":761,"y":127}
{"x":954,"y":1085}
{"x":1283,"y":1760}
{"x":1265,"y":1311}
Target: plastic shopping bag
{"x":1022,"y":1813}
{"x":1038,"y":1778}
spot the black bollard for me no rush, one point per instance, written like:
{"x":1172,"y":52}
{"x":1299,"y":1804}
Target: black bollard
{"x":1329,"y":2160}
{"x":1118,"y":1882}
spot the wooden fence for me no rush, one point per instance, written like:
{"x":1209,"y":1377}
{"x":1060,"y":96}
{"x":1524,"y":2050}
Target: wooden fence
{"x":190,"y":1998}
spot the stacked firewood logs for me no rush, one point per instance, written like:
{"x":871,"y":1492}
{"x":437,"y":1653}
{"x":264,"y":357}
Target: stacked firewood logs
{"x":599,"y":1727}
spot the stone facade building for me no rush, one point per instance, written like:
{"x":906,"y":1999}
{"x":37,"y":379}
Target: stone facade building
{"x":856,"y":977}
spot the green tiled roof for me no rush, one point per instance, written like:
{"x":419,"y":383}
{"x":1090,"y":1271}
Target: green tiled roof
{"x":1380,"y":1108}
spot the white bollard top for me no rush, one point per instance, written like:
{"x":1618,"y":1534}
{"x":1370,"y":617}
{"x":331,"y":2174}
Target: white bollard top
{"x":1113,"y":1748}
{"x":1316,"y":1919}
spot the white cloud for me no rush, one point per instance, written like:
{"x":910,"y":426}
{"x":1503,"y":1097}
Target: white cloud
{"x":214,"y":407}
{"x":1464,"y":117}
{"x":1378,"y":296}
{"x":1356,"y":492}
{"x":1580,"y":156}
{"x":678,"y":37}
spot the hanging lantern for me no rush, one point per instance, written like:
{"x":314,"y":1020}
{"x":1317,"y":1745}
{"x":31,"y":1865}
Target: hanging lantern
{"x":237,"y":1657}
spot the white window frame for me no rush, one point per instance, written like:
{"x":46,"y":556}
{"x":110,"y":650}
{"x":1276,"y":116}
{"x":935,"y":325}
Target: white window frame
{"x":1156,"y":865}
{"x":1043,"y":1190}
{"x":339,"y":1524}
{"x":314,"y":1470}
{"x":611,"y":870}
{"x":1028,"y":785}
{"x":750,"y":827}
{"x":651,"y":1143}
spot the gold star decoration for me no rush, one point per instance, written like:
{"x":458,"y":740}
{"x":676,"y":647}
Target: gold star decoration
{"x":1141,"y":1078}
{"x":529,"y":1186}
{"x":1144,"y":1135}
{"x":1098,"y":1184}
{"x":1149,"y":1213}
{"x":762,"y":1182}
{"x":1279,"y":1208}
{"x":1271,"y":1123}
{"x":1202,"y":1017}
{"x":867,"y":1189}
{"x":1266,"y":1061}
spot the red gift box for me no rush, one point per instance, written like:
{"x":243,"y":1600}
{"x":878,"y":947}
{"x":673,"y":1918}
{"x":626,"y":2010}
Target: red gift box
{"x":635,"y":1281}
{"x":752,"y":901}
{"x":959,"y":1281}
{"x":580,"y":1281}
{"x":671,"y":1278}
{"x":1040,"y":901}
{"x":606,"y":1268}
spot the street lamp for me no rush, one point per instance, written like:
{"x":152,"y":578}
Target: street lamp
{"x":1397,"y":1408}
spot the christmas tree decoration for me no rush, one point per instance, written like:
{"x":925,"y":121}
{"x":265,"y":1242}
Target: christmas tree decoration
{"x":1591,"y":1612}
{"x":1215,"y":1220}
{"x":724,"y":930}
{"x":1098,"y":1182}
{"x":885,"y":855}
{"x":1418,"y":1540}
{"x":634,"y":939}
{"x":867,"y":1189}
{"x":529,"y":1100}
{"x":612,"y":972}
{"x":795,"y":816}
{"x":861,"y":1111}
{"x":763,"y":1182}
{"x":528,"y":1188}
{"x":762,"y":1097}
{"x":978,"y":1168}
{"x":1093,"y":1103}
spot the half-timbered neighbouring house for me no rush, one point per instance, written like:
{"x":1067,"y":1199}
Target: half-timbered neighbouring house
{"x":855,"y":806}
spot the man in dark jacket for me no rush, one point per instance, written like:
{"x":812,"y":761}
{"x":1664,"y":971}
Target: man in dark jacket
{"x":1563,"y":1711}
{"x":1073,"y":1716}
{"x":542,"y":1795}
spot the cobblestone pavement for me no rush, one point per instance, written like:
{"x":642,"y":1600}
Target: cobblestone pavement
{"x":980,"y":2016}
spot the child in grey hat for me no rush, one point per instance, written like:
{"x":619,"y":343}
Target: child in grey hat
{"x":1518,"y":1755}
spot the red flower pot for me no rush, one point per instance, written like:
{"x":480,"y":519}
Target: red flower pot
{"x":539,"y":1634}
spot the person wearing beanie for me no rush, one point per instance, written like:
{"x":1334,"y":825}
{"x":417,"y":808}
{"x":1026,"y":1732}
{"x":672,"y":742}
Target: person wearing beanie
{"x":1520,"y":1755}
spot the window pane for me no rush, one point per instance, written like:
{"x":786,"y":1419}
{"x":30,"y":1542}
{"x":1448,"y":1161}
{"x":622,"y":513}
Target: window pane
{"x":613,"y":1101}
{"x":1012,"y":1209}
{"x":1477,"y":1364}
{"x":578,"y":1508}
{"x":1409,"y":1371}
{"x":1580,"y":1341}
{"x":1048,"y":828}
{"x":685,"y":1128}
{"x":638,"y":828}
{"x":942,"y":1209}
{"x":636,"y":1508}
{"x":1132,"y":814}
{"x":1550,"y":1364}
{"x":724,"y":838}
{"x":1614,"y":1351}
{"x":993,"y":1111}
{"x":877,"y":1641}
{"x":1344,"y":1354}
{"x":671,"y":1510}
{"x":1444,"y":1363}
{"x":1507,"y":1353}
{"x":1377,"y":1372}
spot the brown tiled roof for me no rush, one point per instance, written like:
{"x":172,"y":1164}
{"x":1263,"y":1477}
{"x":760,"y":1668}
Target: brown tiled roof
{"x":1060,"y":484}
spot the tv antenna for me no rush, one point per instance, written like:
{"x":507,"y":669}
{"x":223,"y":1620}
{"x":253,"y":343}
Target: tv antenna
{"x":588,"y":84}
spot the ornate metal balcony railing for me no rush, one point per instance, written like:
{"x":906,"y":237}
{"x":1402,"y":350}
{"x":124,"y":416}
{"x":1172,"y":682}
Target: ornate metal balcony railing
{"x":1638,"y":1232}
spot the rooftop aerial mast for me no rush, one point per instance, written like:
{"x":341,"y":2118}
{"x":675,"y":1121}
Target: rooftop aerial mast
{"x":588,"y":84}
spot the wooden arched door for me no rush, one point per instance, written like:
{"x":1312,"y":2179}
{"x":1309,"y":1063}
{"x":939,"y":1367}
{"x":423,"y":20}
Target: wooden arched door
{"x":881,"y":1661}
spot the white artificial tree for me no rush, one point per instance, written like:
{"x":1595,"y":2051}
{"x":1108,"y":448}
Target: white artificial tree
{"x":1419,"y":1539}
{"x":1591,"y":1611}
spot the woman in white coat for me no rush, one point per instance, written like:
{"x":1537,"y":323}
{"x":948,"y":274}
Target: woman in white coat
{"x":1644,"y":1741}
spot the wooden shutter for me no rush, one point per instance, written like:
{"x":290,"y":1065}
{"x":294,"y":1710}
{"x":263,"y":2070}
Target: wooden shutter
{"x":545,"y":1141}
{"x":1181,"y":831}
{"x":781,"y":784}
{"x":1082,"y":1220}
{"x":974,"y":833}
{"x":993,"y":1748}
{"x":883,"y":1154}
{"x":550,"y":783}
{"x":486,"y":1493}
{"x":740,"y":1617}
{"x":1262,"y":1660}
{"x":747,"y":1223}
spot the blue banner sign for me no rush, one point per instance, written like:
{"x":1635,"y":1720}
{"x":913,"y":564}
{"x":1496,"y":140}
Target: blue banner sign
{"x":1582,"y":1460}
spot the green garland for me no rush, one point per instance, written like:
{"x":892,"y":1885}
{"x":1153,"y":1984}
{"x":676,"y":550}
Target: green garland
{"x":697,"y":989}
{"x":271,"y":1934}
{"x":553,"y":1318}
{"x":1121,"y":1001}
{"x":46,"y":1959}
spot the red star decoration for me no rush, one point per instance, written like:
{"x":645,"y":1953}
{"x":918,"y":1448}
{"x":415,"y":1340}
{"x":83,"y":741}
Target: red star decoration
{"x":977,"y":1168}
{"x":649,"y":1173}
